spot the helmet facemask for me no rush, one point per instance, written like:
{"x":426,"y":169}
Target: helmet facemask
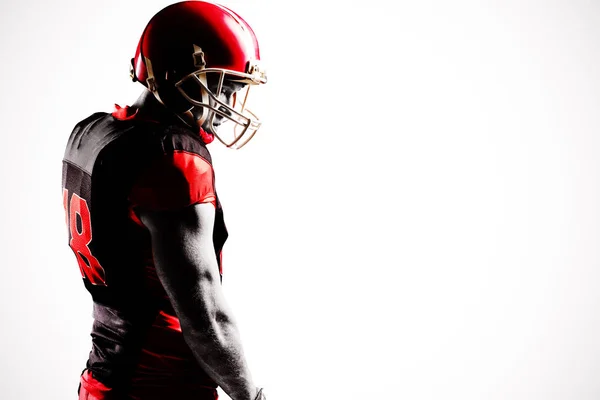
{"x":220,"y":104}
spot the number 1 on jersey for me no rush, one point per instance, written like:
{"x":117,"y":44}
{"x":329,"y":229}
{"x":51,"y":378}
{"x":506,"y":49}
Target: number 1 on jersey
{"x":77,"y":210}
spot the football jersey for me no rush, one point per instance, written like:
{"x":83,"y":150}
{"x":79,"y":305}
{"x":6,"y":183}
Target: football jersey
{"x":115,"y":164}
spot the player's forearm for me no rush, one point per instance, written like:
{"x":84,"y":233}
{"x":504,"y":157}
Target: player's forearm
{"x":215,"y":341}
{"x":208,"y":326}
{"x":187,"y":266}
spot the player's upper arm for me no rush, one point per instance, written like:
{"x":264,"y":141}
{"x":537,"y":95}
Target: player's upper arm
{"x":185,"y":259}
{"x":174,"y":199}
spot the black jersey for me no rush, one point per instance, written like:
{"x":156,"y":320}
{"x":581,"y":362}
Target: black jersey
{"x":113,"y":164}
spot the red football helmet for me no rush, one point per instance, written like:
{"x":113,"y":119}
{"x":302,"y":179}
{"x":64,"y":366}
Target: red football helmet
{"x":186,"y":54}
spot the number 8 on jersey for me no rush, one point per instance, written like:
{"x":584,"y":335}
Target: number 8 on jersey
{"x":80,"y":229}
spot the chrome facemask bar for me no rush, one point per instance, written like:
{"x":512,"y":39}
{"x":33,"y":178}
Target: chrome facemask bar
{"x":243,"y":118}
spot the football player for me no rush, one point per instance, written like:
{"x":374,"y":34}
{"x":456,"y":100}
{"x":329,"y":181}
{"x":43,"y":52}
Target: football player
{"x":144,"y":218}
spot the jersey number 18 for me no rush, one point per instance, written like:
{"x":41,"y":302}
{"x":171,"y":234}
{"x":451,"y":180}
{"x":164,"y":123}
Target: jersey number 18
{"x":79,"y":224}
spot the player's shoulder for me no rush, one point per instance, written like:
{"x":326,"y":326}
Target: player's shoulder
{"x":168,"y":133}
{"x":178,"y":139}
{"x":87,"y":139}
{"x":91,"y":123}
{"x":179,"y":175}
{"x":90,"y":119}
{"x":128,"y":139}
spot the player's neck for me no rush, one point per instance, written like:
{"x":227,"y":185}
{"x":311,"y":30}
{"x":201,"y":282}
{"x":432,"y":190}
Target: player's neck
{"x":147,"y":103}
{"x":150,"y":107}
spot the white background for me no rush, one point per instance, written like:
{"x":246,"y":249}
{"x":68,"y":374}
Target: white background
{"x":418,"y":218}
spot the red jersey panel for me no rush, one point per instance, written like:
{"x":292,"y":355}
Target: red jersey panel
{"x":114,"y":164}
{"x":176,"y":180}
